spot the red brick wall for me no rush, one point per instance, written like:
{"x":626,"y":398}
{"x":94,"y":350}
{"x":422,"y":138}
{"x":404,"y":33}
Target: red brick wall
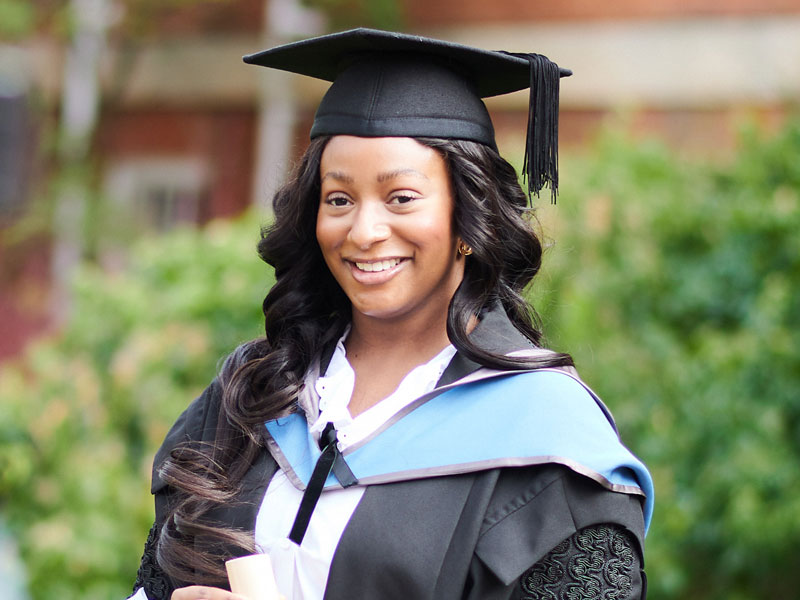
{"x":421,"y":13}
{"x":223,"y":137}
{"x":24,"y":293}
{"x":710,"y":133}
{"x":199,"y":16}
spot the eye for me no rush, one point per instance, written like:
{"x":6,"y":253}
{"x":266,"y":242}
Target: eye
{"x":403,"y":198}
{"x":337,"y":200}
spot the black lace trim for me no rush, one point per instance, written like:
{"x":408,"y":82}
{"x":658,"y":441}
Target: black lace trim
{"x":596,"y":563}
{"x":156,"y":584}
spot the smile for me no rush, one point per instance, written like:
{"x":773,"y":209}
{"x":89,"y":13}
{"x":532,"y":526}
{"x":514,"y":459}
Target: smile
{"x":378,"y":265}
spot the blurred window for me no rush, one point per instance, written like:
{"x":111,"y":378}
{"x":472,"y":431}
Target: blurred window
{"x":157,"y":193}
{"x":15,"y":136}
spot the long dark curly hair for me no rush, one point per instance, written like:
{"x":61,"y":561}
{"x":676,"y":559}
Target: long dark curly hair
{"x":306,"y":311}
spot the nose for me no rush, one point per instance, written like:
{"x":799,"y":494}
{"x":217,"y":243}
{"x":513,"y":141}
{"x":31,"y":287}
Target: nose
{"x":369,"y":225}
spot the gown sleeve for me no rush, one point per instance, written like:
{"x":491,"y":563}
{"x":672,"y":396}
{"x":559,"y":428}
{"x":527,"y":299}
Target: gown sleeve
{"x":600,"y":561}
{"x":150,"y":579}
{"x":138,"y":594}
{"x":571,"y":538}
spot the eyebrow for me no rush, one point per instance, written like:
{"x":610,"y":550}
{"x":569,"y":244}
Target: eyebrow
{"x":398,"y":172}
{"x":386,"y":176}
{"x":338,"y":175}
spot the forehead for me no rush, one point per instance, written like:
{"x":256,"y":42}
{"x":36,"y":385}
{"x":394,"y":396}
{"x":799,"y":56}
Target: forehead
{"x":380,"y":165}
{"x":380,"y":154}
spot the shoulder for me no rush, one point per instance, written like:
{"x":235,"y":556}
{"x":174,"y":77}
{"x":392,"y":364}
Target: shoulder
{"x":548,"y":401}
{"x":554,"y":489}
{"x":559,"y":417}
{"x":562,"y":389}
{"x":197,"y":423}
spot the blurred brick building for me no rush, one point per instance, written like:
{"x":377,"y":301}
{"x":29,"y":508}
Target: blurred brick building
{"x":186,"y":132}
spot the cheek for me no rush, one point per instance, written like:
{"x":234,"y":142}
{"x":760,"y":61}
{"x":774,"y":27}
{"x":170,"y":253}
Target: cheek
{"x":436,"y":229}
{"x":325,"y":232}
{"x":330,"y":236}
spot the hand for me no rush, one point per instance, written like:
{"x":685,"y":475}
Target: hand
{"x":202,"y":592}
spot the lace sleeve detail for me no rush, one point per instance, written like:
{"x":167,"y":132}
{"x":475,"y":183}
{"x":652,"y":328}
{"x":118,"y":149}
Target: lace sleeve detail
{"x":596,"y":563}
{"x":150,"y":577}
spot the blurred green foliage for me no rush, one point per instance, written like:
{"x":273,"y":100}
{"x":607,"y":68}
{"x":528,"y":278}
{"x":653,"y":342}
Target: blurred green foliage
{"x":83,"y":414}
{"x":677,"y":288}
{"x":16,"y":19}
{"x":673,"y":284}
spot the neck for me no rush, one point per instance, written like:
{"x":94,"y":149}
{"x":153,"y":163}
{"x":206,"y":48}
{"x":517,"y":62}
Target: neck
{"x":421,"y":337}
{"x":382,"y":352}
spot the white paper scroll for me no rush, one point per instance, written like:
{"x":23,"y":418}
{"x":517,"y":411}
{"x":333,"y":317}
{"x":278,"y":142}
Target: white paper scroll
{"x":252,"y":577}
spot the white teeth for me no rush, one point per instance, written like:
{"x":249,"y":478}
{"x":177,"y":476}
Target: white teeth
{"x":380,"y":265}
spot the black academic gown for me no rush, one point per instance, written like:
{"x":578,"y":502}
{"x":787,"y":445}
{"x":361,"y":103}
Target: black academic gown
{"x":541,"y":531}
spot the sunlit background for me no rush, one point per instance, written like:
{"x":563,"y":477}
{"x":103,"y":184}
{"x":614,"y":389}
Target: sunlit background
{"x":138,"y":155}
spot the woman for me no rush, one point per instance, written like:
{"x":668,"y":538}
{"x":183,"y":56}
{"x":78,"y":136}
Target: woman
{"x":399,"y":433}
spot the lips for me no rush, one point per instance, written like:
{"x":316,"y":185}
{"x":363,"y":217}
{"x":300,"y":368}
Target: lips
{"x":377,"y":266}
{"x":373,"y":272}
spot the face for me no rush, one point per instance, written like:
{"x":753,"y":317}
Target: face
{"x":385,"y":226}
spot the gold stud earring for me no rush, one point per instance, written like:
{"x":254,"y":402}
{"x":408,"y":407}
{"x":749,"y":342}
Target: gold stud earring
{"x":464,"y":249}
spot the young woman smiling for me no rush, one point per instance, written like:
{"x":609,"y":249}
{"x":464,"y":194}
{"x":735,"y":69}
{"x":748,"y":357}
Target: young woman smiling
{"x":400,"y":432}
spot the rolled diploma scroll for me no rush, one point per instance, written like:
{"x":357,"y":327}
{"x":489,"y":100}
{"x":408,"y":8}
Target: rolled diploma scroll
{"x":252,"y":577}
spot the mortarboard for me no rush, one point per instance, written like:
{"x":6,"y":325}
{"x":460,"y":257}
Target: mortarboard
{"x":398,"y":85}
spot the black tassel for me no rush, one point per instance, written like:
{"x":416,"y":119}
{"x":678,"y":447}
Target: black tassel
{"x":540,"y":166}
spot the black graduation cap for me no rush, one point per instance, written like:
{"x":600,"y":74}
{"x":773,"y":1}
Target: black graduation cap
{"x":393,"y":84}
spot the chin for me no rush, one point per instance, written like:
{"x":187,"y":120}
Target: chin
{"x":380,"y":312}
